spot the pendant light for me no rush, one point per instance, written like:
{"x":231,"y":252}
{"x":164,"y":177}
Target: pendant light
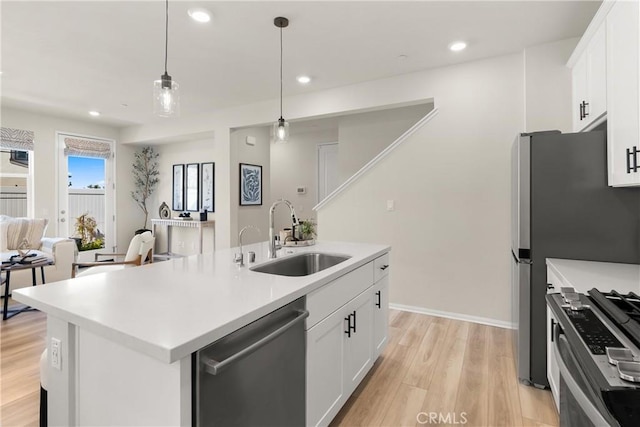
{"x":281,"y":127}
{"x":166,"y":98}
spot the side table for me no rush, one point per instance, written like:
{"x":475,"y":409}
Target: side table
{"x":7,"y":268}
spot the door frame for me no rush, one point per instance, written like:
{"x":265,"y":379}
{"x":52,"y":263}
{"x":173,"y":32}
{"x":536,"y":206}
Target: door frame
{"x":61,"y":165}
{"x":318,"y":147}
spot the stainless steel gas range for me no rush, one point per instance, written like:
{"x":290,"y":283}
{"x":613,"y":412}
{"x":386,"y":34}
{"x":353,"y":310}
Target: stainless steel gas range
{"x":596,"y":345}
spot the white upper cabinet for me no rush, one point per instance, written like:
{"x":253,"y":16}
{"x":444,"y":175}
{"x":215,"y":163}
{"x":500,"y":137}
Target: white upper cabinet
{"x":597,"y":75}
{"x":623,"y":101}
{"x":589,"y":82}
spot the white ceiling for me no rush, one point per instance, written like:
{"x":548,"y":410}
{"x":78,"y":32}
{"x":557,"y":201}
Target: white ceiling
{"x":72,"y":57}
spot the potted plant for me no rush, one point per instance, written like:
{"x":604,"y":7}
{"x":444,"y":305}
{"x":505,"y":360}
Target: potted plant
{"x":145,"y":179}
{"x":307,"y":229}
{"x":89,"y":235}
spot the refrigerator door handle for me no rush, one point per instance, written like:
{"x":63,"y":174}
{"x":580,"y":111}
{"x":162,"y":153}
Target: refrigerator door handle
{"x":521,"y":261}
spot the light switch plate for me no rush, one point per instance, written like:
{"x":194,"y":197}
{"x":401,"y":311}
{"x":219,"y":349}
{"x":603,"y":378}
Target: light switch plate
{"x":251,"y":140}
{"x":391,"y":205}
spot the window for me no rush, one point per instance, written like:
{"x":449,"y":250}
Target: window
{"x":15,"y":183}
{"x":16,"y":172}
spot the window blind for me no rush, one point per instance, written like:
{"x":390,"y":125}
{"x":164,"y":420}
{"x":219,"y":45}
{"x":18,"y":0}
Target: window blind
{"x":16,"y":139}
{"x":87,"y":148}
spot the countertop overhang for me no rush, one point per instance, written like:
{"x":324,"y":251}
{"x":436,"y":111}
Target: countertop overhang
{"x":168,"y":310}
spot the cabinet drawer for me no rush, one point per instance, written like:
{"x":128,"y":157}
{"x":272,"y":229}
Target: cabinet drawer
{"x":324,"y":301}
{"x":381,"y":267}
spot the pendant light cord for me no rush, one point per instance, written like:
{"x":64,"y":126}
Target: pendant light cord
{"x":280,"y":72}
{"x":166,"y":35}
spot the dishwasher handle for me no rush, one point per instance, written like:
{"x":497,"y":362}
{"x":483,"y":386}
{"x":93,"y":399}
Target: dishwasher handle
{"x":214,"y":367}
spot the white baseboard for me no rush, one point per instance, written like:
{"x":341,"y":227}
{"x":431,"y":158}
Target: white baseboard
{"x":455,"y":316}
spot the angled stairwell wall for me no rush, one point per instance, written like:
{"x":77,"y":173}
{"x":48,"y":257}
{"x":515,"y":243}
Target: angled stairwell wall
{"x":450,"y":184}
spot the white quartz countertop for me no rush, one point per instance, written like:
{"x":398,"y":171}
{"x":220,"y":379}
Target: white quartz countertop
{"x":604,"y":276}
{"x":170,"y":309}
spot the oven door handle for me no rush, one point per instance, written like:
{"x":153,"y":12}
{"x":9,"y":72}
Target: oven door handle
{"x":579,"y":395}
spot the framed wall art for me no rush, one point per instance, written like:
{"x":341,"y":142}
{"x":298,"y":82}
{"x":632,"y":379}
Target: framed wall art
{"x":207,"y":186}
{"x":250,"y":185}
{"x":178,"y":188}
{"x":192,"y":187}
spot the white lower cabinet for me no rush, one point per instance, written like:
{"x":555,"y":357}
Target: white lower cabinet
{"x":339,"y":355}
{"x":358,"y":353}
{"x":380,"y":316}
{"x":325,"y":369}
{"x":342,"y":347}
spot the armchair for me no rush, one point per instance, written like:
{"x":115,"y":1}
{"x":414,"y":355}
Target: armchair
{"x":14,"y":232}
{"x":140,"y":252}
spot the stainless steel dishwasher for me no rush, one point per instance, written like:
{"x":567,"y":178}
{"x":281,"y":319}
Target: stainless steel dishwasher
{"x":254,"y":376}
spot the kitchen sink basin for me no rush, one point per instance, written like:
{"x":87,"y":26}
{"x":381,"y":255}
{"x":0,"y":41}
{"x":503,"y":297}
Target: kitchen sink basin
{"x":302,"y":264}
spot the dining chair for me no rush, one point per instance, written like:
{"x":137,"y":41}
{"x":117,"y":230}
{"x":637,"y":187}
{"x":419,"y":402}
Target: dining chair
{"x":140,"y":252}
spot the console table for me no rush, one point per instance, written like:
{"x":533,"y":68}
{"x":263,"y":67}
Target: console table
{"x":200,"y":225}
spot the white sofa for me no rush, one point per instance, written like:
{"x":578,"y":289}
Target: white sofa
{"x":15,"y":232}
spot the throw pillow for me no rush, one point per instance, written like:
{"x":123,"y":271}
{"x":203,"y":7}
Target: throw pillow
{"x":21,"y":229}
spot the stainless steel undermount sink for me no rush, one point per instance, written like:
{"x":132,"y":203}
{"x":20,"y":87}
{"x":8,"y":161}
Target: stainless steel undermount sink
{"x":301,"y":265}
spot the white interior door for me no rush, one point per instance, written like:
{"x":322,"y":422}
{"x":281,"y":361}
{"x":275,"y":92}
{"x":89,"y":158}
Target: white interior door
{"x":328,"y":174}
{"x":76,"y":199}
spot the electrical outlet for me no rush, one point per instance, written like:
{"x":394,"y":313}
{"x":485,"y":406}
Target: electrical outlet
{"x":56,"y":354}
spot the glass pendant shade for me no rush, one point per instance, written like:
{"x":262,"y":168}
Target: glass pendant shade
{"x":281,"y":131}
{"x":166,"y":97}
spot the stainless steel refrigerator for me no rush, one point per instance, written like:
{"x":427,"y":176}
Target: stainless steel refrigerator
{"x":561,"y":208}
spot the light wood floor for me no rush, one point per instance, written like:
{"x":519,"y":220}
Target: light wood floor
{"x":430,"y":365}
{"x":22,"y":339}
{"x":448,"y":367}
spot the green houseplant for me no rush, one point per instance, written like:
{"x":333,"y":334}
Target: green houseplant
{"x":307,"y":229}
{"x":145,"y":178}
{"x":87,"y":230}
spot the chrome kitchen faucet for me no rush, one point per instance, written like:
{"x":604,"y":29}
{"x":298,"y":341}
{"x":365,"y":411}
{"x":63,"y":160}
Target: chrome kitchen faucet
{"x":272,"y":238}
{"x":239,"y":258}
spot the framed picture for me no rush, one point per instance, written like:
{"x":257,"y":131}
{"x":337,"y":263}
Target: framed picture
{"x":207,"y":185}
{"x":178,"y":188}
{"x":250,"y":185}
{"x":193,"y":187}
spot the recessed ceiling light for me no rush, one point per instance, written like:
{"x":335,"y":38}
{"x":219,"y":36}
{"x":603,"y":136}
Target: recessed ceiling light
{"x":303,"y":79}
{"x":457,"y":46}
{"x":403,"y":57}
{"x":94,"y":113}
{"x":200,"y":15}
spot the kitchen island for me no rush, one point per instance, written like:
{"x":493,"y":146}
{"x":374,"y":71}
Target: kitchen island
{"x":126,"y":337}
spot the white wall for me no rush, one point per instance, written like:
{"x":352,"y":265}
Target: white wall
{"x":184,"y":240}
{"x":295,"y":164}
{"x":258,"y":154}
{"x":548,"y":86}
{"x":450,"y":182}
{"x":45,"y":178}
{"x":363,"y":136}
